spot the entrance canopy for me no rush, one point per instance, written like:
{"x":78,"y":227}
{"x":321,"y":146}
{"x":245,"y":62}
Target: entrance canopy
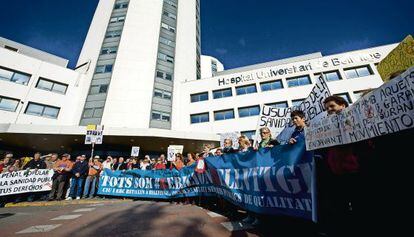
{"x":23,"y":138}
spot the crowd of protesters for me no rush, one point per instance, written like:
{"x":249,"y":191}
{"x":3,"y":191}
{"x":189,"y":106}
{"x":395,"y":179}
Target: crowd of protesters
{"x":340,"y":171}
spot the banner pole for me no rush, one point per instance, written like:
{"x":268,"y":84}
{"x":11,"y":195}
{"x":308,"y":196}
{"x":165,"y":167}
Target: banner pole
{"x":93,"y":146}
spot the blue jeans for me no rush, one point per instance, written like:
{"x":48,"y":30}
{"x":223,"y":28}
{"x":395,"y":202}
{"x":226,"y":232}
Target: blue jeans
{"x":76,"y":183}
{"x":89,"y":180}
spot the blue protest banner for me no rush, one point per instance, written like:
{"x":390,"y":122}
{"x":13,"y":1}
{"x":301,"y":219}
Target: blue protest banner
{"x":275,"y":181}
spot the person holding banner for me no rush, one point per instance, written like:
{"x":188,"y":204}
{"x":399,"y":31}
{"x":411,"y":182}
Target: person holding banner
{"x":178,"y":163}
{"x":341,"y":182}
{"x":267,"y":140}
{"x":95,"y":168}
{"x":190,"y":159}
{"x":62,"y":169}
{"x":244,"y":144}
{"x":79,"y":171}
{"x":228,"y":146}
{"x":298,"y":119}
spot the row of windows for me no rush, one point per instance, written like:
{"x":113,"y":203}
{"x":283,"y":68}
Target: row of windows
{"x":24,"y":78}
{"x":53,"y":86}
{"x":255,"y":110}
{"x":164,"y":75}
{"x":117,"y":19}
{"x":277,"y":84}
{"x":167,"y":41}
{"x":109,"y":50}
{"x":162,"y":94}
{"x":170,"y":15}
{"x":93,"y":112}
{"x":171,"y":3}
{"x":166,"y":57}
{"x":14,"y":76}
{"x":98,"y":89}
{"x":121,"y":5}
{"x":160,"y":116}
{"x":168,"y":27}
{"x":113,"y":34}
{"x":103,"y":68}
{"x":42,"y":110}
{"x":10,"y":104}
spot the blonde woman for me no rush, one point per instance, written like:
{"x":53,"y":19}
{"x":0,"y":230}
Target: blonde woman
{"x":244,"y":144}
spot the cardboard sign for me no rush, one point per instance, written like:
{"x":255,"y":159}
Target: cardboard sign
{"x":94,"y":134}
{"x":174,"y":149}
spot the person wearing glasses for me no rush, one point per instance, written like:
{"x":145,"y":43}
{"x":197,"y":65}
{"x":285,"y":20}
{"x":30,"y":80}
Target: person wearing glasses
{"x":266,"y":137}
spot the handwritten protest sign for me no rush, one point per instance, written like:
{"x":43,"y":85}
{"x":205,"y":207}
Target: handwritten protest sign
{"x":388,"y":109}
{"x":278,"y":119}
{"x":25,"y":181}
{"x":172,"y":150}
{"x":398,"y":60}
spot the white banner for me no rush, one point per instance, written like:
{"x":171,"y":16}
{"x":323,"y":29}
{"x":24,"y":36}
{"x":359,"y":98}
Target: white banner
{"x":388,"y":109}
{"x":25,"y":181}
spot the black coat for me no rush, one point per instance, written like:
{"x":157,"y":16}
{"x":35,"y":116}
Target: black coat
{"x":33,"y":164}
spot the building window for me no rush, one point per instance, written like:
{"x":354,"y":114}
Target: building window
{"x":8,"y":104}
{"x":162,"y":94}
{"x":200,"y":118}
{"x":278,"y":105}
{"x":93,"y":113}
{"x":271,"y":85}
{"x":109,"y":50}
{"x":297,"y":102}
{"x":171,"y":3}
{"x":117,"y":19}
{"x":121,"y":5}
{"x":98,"y":89}
{"x":167,"y":27}
{"x":14,"y":76}
{"x":166,"y":57}
{"x":241,"y":90}
{"x":113,"y":34}
{"x":167,"y":42}
{"x":222,"y":93}
{"x":358,"y":72}
{"x":160,"y":116}
{"x":298,"y":81}
{"x":224,"y":114}
{"x":249,"y":111}
{"x":170,"y":15}
{"x":346,"y":97}
{"x":199,"y":97}
{"x":42,"y":110}
{"x":103,"y":69}
{"x":53,"y":86}
{"x":164,"y":75}
{"x":330,"y":76}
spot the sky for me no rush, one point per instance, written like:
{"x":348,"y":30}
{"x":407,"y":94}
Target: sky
{"x":237,"y":32}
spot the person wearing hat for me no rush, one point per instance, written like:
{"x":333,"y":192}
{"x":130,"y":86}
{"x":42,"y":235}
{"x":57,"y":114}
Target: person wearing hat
{"x":62,"y":169}
{"x":95,"y":167}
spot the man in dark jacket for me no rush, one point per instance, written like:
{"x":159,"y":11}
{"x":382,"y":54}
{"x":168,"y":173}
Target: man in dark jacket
{"x":35,"y":163}
{"x":228,"y":146}
{"x":80,"y":171}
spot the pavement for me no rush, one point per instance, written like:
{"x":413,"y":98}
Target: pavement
{"x":113,"y":217}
